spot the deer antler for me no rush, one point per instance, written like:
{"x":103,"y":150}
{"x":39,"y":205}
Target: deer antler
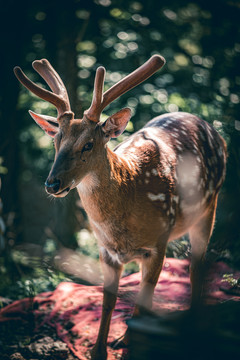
{"x":100,"y":100}
{"x":59,"y":97}
{"x":94,"y":111}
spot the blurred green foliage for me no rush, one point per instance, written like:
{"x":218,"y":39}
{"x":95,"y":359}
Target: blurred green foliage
{"x":201,"y":44}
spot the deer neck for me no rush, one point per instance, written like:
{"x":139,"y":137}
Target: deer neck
{"x":112,"y":178}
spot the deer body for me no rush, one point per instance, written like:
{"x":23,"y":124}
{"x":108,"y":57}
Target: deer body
{"x":160,"y":183}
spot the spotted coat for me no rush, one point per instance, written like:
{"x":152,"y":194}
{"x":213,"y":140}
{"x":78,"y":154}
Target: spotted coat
{"x":175,"y":167}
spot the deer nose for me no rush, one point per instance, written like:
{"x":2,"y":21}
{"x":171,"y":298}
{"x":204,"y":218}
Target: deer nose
{"x":52,"y":187}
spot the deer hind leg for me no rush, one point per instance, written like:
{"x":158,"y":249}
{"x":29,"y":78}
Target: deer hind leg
{"x":112,"y":273}
{"x":151,"y":268}
{"x":200,"y":235}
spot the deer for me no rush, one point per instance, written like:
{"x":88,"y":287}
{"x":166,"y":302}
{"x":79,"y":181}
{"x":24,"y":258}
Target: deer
{"x":160,"y":183}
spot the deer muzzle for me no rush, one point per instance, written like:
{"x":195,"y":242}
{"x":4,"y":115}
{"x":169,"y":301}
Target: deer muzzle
{"x":52,"y":186}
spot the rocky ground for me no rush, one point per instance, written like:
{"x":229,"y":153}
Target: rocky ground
{"x":18,"y":342}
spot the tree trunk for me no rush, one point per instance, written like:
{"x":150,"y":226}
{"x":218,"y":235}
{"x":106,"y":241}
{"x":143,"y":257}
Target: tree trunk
{"x":61,"y":46}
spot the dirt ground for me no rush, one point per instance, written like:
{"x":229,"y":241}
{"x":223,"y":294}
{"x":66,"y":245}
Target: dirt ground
{"x":18,"y":342}
{"x":29,"y":327}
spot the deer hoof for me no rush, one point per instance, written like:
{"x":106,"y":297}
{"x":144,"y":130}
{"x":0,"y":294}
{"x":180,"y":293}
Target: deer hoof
{"x":98,"y":354}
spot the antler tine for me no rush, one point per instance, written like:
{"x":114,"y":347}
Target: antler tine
{"x":58,"y":97}
{"x":100,"y":101}
{"x":45,"y":69}
{"x":94,"y":111}
{"x":133,"y":79}
{"x":35,"y":89}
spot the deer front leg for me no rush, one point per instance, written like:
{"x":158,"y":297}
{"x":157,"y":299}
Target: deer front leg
{"x":151,"y":268}
{"x":111,"y":272}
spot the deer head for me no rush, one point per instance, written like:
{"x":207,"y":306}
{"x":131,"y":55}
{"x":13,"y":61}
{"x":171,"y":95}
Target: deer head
{"x":79,"y":143}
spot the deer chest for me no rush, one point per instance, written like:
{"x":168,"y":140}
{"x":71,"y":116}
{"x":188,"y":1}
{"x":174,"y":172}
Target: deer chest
{"x":119,"y":243}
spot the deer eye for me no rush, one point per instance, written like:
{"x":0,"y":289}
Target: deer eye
{"x":88,"y":146}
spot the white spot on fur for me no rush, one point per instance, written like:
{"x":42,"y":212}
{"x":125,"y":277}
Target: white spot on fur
{"x":211,"y":186}
{"x":179,"y":147}
{"x":154,"y":197}
{"x":163,"y":224}
{"x":220,"y":151}
{"x":166,"y":171}
{"x":210,"y":143}
{"x":209,"y":130}
{"x":154,"y":172}
{"x":148,"y":173}
{"x":176,"y":199}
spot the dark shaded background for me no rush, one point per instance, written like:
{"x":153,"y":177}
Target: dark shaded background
{"x":201,"y":43}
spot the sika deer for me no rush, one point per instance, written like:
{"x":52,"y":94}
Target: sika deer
{"x":159,"y":184}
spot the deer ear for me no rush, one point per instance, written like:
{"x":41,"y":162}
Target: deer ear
{"x":116,"y":123}
{"x":48,"y":123}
